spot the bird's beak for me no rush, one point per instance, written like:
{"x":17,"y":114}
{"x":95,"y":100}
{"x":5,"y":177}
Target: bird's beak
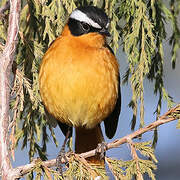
{"x":105,"y":32}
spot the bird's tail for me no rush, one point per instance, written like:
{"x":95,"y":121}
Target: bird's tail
{"x":88,"y":139}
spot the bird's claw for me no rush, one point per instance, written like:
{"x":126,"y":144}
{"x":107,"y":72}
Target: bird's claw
{"x":61,"y":159}
{"x":101,"y":148}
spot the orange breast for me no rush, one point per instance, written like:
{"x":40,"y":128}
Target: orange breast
{"x":78,"y":82}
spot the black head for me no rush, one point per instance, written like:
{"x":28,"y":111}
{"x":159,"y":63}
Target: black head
{"x":88,"y":19}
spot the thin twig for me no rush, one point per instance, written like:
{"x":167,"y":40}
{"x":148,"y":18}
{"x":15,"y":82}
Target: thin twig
{"x":111,"y":169}
{"x":167,"y":117}
{"x":136,"y":158}
{"x":84,"y":162}
{"x":18,"y":88}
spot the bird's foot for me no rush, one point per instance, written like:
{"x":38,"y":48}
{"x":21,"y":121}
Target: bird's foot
{"x":60,"y":160}
{"x":101,"y":149}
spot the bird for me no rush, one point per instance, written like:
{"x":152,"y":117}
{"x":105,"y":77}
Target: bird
{"x":79,"y":80}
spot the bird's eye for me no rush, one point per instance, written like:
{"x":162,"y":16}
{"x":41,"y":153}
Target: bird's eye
{"x":85,"y":26}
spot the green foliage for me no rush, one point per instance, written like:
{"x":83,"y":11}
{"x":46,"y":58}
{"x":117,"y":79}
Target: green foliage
{"x":146,"y":150}
{"x":126,"y":170}
{"x":143,"y":37}
{"x":41,"y":171}
{"x":80,"y":169}
{"x":143,"y":40}
{"x":139,"y":25}
{"x":3,"y":27}
{"x":77,"y":168}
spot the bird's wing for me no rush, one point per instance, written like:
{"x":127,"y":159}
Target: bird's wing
{"x":111,"y":121}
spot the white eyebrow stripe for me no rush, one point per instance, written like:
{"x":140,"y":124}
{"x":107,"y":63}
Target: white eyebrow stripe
{"x":82,"y":17}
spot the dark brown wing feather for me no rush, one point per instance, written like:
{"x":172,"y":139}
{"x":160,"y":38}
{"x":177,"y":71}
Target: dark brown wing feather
{"x":65,"y":128}
{"x":111,"y":121}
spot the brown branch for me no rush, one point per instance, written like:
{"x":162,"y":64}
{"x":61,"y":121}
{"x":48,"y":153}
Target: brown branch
{"x":6,"y":60}
{"x":167,"y":117}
